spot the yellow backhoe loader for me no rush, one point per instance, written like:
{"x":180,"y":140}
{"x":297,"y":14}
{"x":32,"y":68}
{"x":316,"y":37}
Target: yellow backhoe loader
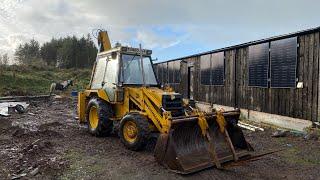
{"x":124,"y":94}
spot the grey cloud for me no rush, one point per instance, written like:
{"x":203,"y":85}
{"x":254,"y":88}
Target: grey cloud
{"x":210,"y":22}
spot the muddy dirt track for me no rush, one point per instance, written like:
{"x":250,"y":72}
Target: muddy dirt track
{"x":48,"y":143}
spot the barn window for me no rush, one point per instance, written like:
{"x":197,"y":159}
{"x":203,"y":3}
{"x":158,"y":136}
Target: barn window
{"x":217,"y":68}
{"x":174,"y":71}
{"x":283,"y":63}
{"x":212,"y":69}
{"x":258,"y":63}
{"x":205,"y":68}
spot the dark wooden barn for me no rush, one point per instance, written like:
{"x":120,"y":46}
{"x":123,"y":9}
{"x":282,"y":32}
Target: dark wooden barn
{"x":278,"y":75}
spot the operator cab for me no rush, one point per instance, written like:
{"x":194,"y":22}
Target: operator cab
{"x":135,"y":72}
{"x":123,"y":66}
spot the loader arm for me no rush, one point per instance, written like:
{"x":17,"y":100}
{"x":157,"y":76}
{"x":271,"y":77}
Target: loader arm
{"x":189,"y":143}
{"x":150,"y":103}
{"x":153,"y":107}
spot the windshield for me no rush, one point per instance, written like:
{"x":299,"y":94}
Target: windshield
{"x":132,"y":70}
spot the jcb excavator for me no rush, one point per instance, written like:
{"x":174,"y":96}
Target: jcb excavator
{"x":124,"y":94}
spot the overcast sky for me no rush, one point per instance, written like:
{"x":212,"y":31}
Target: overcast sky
{"x":172,"y":28}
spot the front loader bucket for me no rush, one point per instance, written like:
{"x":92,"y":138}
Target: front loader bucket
{"x":185,"y":150}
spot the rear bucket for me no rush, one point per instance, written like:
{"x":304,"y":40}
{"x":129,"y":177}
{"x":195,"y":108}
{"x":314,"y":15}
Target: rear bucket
{"x":185,"y":150}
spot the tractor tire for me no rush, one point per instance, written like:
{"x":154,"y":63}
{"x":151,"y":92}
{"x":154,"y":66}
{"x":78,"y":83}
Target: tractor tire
{"x":98,"y":116}
{"x":134,"y":131}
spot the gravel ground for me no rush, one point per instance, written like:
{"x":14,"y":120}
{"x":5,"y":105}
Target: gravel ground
{"x":48,"y":143}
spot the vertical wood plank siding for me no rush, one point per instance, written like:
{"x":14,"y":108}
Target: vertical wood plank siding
{"x":293,"y":102}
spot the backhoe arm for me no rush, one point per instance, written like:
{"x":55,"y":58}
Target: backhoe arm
{"x":104,"y":41}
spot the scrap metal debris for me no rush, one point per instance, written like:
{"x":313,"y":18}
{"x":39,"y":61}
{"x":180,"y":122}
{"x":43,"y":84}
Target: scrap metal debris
{"x":7,"y":108}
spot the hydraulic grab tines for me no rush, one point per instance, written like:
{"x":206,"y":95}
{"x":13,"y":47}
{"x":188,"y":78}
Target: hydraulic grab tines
{"x":201,"y":141}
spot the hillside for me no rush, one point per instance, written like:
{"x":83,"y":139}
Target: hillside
{"x":20,"y":80}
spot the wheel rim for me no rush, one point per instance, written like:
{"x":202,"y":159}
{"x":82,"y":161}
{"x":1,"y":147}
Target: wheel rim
{"x":93,"y":117}
{"x":130,"y":131}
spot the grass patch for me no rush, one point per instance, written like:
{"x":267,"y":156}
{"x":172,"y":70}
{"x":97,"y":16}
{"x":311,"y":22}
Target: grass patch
{"x":29,"y":81}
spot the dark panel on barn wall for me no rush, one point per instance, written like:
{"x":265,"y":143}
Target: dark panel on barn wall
{"x":205,"y":69}
{"x":218,"y":93}
{"x":283,"y":60}
{"x":217,"y":68}
{"x":258,"y":64}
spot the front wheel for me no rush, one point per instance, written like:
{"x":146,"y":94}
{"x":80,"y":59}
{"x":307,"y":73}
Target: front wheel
{"x":98,"y":117}
{"x":134,"y":131}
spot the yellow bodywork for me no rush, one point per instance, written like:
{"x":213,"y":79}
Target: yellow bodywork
{"x":147,"y":100}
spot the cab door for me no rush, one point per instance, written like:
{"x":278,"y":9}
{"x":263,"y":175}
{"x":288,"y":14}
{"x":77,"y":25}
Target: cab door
{"x":98,"y":76}
{"x":111,"y":78}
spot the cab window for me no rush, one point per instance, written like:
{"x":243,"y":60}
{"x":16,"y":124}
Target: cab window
{"x":111,"y":71}
{"x":132,"y":70}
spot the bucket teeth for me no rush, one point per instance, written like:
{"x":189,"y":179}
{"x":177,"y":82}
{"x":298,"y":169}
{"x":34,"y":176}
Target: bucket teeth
{"x":185,"y":149}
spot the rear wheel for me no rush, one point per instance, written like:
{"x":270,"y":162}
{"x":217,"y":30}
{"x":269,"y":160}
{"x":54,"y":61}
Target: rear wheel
{"x":98,"y":117}
{"x":134,"y":131}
